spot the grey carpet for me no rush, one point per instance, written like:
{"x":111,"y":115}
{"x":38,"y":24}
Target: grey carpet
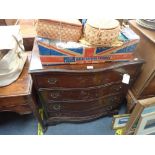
{"x":14,"y":124}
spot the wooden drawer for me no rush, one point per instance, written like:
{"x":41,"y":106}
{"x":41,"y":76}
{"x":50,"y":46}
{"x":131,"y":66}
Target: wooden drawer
{"x":19,"y":104}
{"x":21,"y":109}
{"x":83,"y":79}
{"x":65,"y":94}
{"x":82,"y":112}
{"x":14,"y":101}
{"x":66,"y":108}
{"x":88,"y":113}
{"x":83,"y":117}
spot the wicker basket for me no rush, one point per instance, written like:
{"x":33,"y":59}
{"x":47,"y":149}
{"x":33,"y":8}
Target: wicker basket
{"x":101,"y":32}
{"x":69,"y":30}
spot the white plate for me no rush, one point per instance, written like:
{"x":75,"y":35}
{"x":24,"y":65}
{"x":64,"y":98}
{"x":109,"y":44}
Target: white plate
{"x":144,"y":24}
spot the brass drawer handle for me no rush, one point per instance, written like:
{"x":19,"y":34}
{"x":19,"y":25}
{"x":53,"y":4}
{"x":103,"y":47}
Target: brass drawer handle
{"x":56,"y":107}
{"x":55,"y":94}
{"x":84,"y":94}
{"x":52,"y":81}
{"x":117,"y":88}
{"x":109,"y":108}
{"x":114,"y":99}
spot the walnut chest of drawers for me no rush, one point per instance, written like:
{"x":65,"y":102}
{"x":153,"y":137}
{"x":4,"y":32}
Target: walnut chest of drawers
{"x":73,"y":93}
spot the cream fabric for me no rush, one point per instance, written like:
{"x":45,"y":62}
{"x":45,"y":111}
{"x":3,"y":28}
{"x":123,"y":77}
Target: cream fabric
{"x":12,"y":62}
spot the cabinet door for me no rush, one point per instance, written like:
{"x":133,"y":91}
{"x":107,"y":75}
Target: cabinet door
{"x":149,"y":90}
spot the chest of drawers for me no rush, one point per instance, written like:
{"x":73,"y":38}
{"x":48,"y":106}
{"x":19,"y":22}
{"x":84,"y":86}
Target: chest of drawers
{"x":73,"y":93}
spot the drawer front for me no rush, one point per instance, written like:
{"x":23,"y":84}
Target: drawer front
{"x":21,"y":109}
{"x":83,"y":113}
{"x":15,"y":101}
{"x":80,"y":108}
{"x":81,"y":94}
{"x":81,"y":80}
{"x":88,"y":113}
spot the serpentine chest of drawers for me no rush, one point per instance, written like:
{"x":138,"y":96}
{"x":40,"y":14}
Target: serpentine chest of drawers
{"x":74,"y":93}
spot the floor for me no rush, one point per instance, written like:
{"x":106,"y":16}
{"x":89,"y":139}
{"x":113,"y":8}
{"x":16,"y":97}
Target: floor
{"x":14,"y":124}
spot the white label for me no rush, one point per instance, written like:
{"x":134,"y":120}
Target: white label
{"x":90,"y":67}
{"x":126,"y":78}
{"x":135,"y":59}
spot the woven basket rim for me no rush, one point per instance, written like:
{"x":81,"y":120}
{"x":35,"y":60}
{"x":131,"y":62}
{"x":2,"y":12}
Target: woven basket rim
{"x":57,"y":21}
{"x":117,"y":26}
{"x":103,"y":28}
